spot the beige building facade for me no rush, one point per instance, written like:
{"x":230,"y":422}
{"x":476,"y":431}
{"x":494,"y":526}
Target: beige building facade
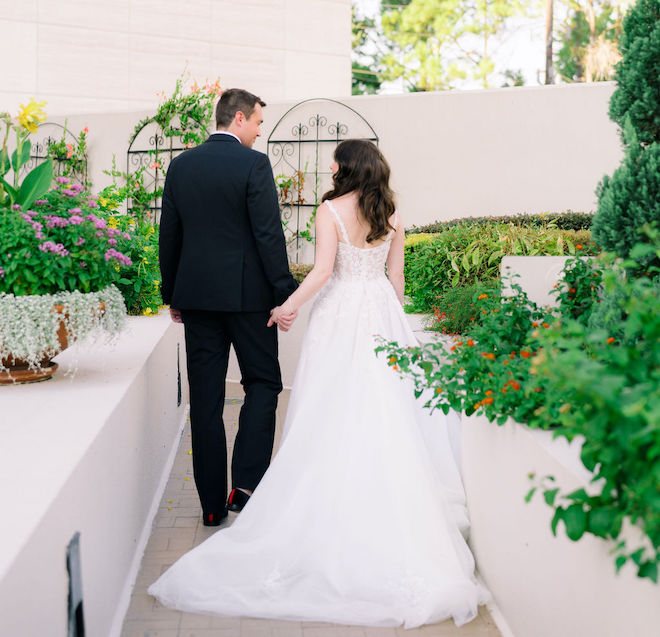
{"x":89,"y":56}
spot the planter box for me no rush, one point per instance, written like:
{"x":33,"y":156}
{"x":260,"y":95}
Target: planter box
{"x":87,"y":454}
{"x":544,"y":586}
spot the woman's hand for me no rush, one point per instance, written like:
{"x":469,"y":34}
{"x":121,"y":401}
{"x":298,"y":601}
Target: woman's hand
{"x":282,"y":317}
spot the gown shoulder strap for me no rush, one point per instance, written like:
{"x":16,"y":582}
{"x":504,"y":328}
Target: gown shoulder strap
{"x":339,"y":221}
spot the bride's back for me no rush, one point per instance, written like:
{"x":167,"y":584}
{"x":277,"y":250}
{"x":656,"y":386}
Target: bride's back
{"x":357,"y":227}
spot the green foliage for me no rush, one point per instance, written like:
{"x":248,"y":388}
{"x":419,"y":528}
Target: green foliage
{"x":463,"y":255}
{"x":564,"y":373}
{"x":431,"y":43}
{"x":186,"y":115}
{"x":455,"y":310}
{"x":568,"y":220}
{"x":578,"y":32}
{"x":137,"y":189}
{"x":637,"y":95}
{"x":579,"y":289}
{"x":630,"y":198}
{"x":139,"y":281}
{"x":70,"y":159}
{"x":365,"y":77}
{"x":59,"y":245}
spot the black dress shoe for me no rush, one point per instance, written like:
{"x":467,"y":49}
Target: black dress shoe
{"x":214,"y":519}
{"x":237,"y":500}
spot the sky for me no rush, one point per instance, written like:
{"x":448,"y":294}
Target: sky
{"x":521,"y":48}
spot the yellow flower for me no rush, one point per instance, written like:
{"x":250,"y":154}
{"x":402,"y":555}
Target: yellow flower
{"x":103,"y":201}
{"x":113,"y":223}
{"x":32,"y":115}
{"x":147,"y":312}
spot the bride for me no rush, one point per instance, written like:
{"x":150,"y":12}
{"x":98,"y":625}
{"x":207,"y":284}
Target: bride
{"x":361,"y":517}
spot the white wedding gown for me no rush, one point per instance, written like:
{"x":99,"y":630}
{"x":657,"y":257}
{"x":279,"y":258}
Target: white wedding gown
{"x":360,"y":517}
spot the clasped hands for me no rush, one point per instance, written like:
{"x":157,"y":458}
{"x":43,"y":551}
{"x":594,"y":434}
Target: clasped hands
{"x":282,"y":317}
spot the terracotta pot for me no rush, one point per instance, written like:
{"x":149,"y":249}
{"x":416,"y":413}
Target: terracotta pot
{"x":19,"y":370}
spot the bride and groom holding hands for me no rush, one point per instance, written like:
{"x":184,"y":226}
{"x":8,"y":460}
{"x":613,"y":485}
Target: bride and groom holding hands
{"x":361,"y":516}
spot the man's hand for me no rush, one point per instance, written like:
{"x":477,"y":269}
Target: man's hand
{"x":176,"y":315}
{"x":283,"y":319}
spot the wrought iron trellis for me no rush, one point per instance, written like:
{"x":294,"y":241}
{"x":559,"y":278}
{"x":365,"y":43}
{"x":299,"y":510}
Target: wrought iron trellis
{"x":300,"y":148}
{"x":39,"y":152}
{"x":151,"y":151}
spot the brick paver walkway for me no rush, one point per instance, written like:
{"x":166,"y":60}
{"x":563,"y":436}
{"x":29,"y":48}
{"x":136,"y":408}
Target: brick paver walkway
{"x":178,"y":528}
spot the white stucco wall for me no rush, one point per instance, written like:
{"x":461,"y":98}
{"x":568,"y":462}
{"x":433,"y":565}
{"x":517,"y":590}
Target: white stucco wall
{"x":453,"y":154}
{"x":86,"y":56}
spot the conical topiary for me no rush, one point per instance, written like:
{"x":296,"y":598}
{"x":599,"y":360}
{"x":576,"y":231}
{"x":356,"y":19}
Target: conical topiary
{"x":638,"y":74}
{"x":630,"y":198}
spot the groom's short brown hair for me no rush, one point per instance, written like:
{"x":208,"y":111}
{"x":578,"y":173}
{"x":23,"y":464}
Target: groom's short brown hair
{"x":233,"y":100}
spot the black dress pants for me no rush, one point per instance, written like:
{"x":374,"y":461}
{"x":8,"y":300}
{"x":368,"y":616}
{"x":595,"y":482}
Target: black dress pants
{"x":208,"y":338}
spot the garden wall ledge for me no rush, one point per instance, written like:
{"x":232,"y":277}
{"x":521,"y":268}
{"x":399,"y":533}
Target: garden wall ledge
{"x":544,"y":586}
{"x":86,"y":453}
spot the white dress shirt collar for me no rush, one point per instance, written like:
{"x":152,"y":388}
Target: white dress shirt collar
{"x":226,"y":132}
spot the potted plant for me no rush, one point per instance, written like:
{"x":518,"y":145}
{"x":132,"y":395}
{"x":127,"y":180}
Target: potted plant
{"x":58,"y":263}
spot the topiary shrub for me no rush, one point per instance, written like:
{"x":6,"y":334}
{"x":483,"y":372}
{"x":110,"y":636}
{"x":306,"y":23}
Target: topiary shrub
{"x":637,"y":95}
{"x":629,"y":199}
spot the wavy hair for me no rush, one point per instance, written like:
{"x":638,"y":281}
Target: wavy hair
{"x":364,"y":170}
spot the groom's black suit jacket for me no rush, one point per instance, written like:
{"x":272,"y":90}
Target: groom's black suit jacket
{"x":221,"y":242}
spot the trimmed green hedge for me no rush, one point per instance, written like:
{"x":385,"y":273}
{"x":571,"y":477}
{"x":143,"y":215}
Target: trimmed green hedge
{"x":568,"y":220}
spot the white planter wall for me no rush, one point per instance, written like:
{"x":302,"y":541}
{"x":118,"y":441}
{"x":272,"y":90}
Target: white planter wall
{"x":88,"y":454}
{"x":544,"y":586}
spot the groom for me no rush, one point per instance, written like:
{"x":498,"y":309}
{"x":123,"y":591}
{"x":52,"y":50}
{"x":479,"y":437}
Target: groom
{"x":224,"y":266}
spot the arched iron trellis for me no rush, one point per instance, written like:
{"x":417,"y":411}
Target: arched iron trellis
{"x":54,"y":135}
{"x":300,"y":148}
{"x":147,"y":159}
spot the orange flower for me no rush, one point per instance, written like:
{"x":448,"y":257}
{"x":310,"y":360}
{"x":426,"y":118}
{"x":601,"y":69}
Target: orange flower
{"x":487,"y":401}
{"x":578,"y":246}
{"x":452,"y":348}
{"x":504,"y":390}
{"x":514,"y":384}
{"x":538,"y":389}
{"x":392,"y":359}
{"x":482,"y":296}
{"x":85,"y":130}
{"x":438,"y":390}
{"x":496,"y":310}
{"x":470,"y":343}
{"x":396,"y":368}
{"x":472,"y":318}
{"x":525,"y":354}
{"x":535,"y":324}
{"x":505,"y":361}
{"x":545,"y":325}
{"x":611,"y":340}
{"x":459,"y":343}
{"x":488,"y":355}
{"x":489,"y":392}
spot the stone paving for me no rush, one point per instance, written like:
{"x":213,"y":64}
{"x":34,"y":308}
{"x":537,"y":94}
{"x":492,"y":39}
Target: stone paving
{"x":178,"y":528}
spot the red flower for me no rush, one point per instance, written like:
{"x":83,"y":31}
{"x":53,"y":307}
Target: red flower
{"x":488,"y":355}
{"x":611,"y":340}
{"x":525,"y":354}
{"x":514,"y":384}
{"x":470,"y":342}
{"x":572,"y":290}
{"x":578,"y":246}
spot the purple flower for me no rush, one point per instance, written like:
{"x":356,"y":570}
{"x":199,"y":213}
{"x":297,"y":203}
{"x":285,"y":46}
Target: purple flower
{"x":75,"y":220}
{"x":126,"y":235}
{"x":2,"y":273}
{"x":26,"y":217}
{"x":80,"y":241}
{"x":15,"y":207}
{"x":41,"y":202}
{"x":99,"y":234}
{"x":101,"y":224}
{"x":75,"y":211}
{"x":38,"y":235}
{"x":82,"y":264}
{"x":53,"y":221}
{"x":112,"y":242}
{"x":55,"y":248}
{"x":36,"y":225}
{"x":114,"y":254}
{"x":62,"y":180}
{"x":67,"y":192}
{"x":113,"y":232}
{"x":92,"y":204}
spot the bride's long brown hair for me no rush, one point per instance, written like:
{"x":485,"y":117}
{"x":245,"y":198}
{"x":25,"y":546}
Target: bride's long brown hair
{"x":364,"y":170}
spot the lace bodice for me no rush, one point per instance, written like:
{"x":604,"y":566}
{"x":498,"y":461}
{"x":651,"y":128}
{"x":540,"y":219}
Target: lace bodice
{"x":352,"y":263}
